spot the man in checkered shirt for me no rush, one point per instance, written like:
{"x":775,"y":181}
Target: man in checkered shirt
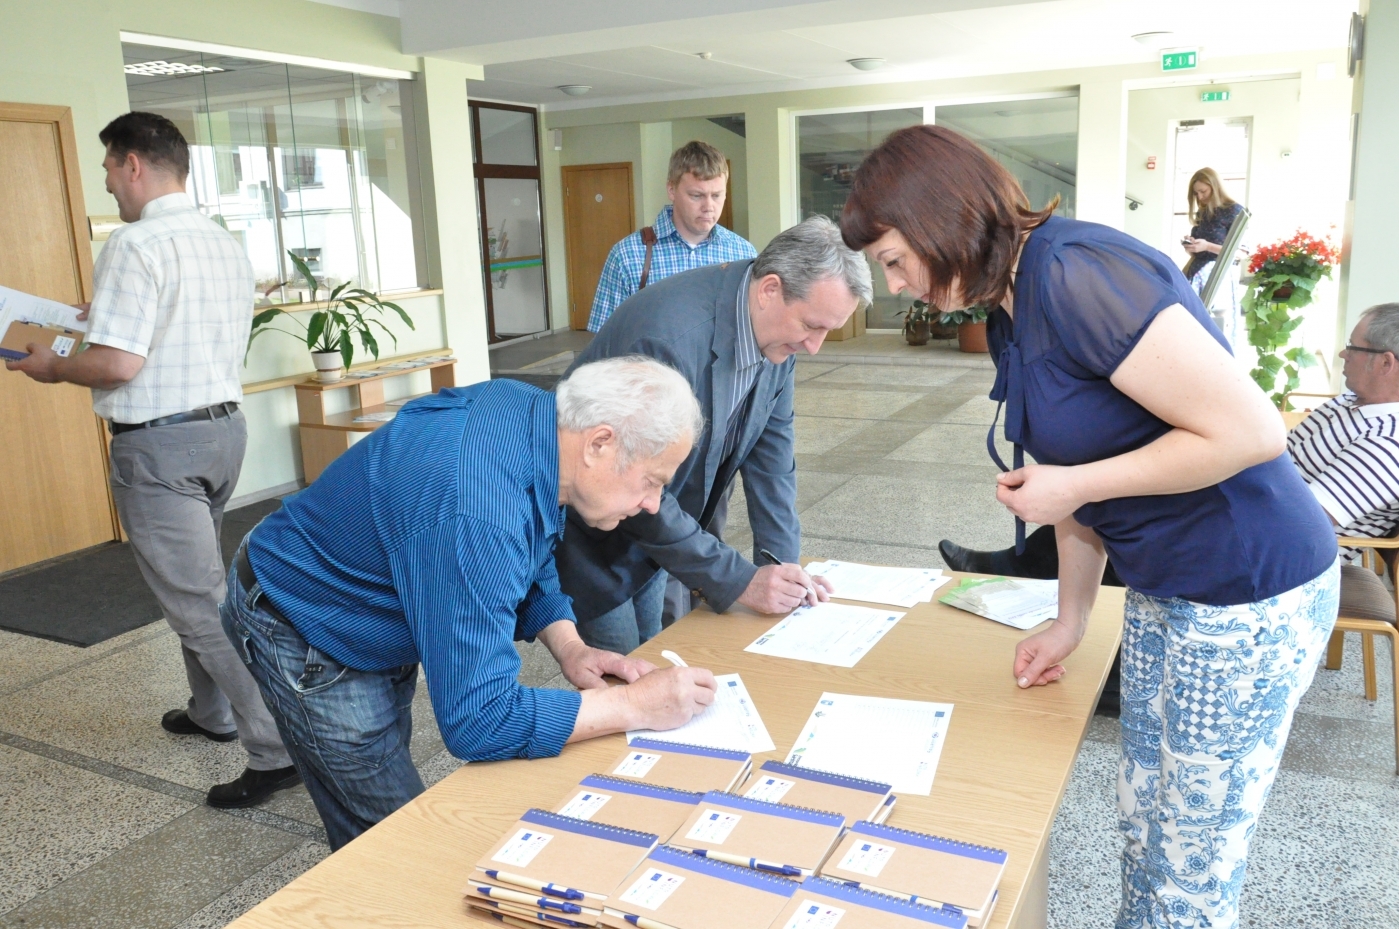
{"x":168,"y":325}
{"x":1348,"y":449}
{"x":688,"y":234}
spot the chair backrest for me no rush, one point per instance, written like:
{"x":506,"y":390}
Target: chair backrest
{"x":1225,"y":262}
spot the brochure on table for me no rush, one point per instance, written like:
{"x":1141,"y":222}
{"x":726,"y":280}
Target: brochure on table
{"x":730,"y":722}
{"x":898,"y":742}
{"x":827,"y":633}
{"x":904,"y":587}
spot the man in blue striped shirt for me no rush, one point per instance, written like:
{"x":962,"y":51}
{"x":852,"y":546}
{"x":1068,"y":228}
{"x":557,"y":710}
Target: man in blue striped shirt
{"x":432,"y":541}
{"x":688,"y":234}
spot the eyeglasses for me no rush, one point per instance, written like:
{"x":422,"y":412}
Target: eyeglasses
{"x":1368,"y":351}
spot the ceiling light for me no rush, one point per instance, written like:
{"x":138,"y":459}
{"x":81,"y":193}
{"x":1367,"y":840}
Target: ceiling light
{"x":576,"y":90}
{"x":866,"y":64}
{"x":166,"y":68}
{"x":1158,"y":39}
{"x":704,"y":56}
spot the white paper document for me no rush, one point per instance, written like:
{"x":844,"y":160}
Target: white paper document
{"x":897,"y":742}
{"x":1021,"y":603}
{"x":730,"y":722}
{"x":827,"y":633}
{"x":877,"y":584}
{"x":18,"y":306}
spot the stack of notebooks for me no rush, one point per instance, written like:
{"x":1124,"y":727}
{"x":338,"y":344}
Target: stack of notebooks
{"x":922,"y":868}
{"x":552,"y":870}
{"x":775,"y":837}
{"x":822,"y":904}
{"x":684,"y":767}
{"x":617,"y":801}
{"x":674,"y":889}
{"x":852,"y":797}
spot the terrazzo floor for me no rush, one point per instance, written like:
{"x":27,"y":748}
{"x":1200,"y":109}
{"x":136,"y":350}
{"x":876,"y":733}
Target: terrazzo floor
{"x":102,"y":822}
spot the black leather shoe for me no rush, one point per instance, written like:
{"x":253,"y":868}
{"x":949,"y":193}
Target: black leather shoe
{"x":251,"y":788}
{"x":178,"y":722}
{"x":965,"y":559}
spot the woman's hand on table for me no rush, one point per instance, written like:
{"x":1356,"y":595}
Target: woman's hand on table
{"x":1043,"y":494}
{"x":1037,"y":659}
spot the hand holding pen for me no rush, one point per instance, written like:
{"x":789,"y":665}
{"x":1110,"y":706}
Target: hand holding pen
{"x":781,"y":588}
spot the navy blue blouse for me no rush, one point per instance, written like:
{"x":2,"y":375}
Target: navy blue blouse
{"x":1084,"y":295}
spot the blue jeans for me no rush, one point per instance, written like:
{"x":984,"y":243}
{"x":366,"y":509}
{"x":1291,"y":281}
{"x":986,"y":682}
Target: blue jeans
{"x":347,"y":731}
{"x":623,"y":628}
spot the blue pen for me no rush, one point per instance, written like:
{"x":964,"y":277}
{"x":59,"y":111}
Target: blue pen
{"x":519,"y":880}
{"x":515,"y":896}
{"x":785,"y":870}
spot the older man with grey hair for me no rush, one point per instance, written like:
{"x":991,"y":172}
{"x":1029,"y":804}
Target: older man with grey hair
{"x":433,"y":541}
{"x":732,"y":330}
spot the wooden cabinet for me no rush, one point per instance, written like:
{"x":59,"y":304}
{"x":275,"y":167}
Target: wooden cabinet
{"x":325,"y":435}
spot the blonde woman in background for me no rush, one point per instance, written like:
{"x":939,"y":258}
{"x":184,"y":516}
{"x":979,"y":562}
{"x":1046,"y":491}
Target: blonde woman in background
{"x":1212,"y":211}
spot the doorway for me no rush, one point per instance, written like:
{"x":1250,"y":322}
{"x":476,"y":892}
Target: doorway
{"x":506,"y":155}
{"x":1222,"y":144}
{"x":598,"y":212}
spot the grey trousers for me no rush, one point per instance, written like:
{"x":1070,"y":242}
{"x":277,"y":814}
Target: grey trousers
{"x":170,"y":485}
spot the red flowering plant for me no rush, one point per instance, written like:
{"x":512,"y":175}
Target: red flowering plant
{"x":1284,"y":276}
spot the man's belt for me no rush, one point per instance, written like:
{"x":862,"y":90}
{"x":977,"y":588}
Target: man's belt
{"x":217,"y":411}
{"x":247,"y":579}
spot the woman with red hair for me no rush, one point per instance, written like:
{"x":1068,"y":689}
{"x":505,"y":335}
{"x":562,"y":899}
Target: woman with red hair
{"x":1153,"y":446}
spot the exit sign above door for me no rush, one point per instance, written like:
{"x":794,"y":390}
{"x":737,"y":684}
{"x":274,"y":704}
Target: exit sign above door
{"x":1181,"y":59}
{"x":1214,"y":96}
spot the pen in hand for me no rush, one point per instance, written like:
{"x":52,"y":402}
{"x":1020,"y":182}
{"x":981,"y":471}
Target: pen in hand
{"x":772,"y":559}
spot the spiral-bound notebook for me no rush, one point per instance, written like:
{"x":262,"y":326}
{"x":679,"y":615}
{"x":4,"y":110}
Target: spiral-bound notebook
{"x":630,"y":804}
{"x":927,"y":868}
{"x":682,"y":766}
{"x":675,"y":888}
{"x":587,"y":859}
{"x":853,"y":797}
{"x":775,"y":834}
{"x":824,"y":904}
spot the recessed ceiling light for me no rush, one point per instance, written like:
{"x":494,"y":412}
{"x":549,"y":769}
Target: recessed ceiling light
{"x":1158,"y":39}
{"x":866,"y":64}
{"x":576,"y":90}
{"x":704,"y":56}
{"x":166,"y":68}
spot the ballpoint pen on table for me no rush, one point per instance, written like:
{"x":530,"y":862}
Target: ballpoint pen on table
{"x":674,"y":659}
{"x":553,"y":890}
{"x":786,"y":870}
{"x":514,"y":896}
{"x":774,"y":560}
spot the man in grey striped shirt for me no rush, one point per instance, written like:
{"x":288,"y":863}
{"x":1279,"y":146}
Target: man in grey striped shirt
{"x":1348,"y":449}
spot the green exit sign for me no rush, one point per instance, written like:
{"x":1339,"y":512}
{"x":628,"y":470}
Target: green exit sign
{"x":1180,"y":60}
{"x":1214,"y":96}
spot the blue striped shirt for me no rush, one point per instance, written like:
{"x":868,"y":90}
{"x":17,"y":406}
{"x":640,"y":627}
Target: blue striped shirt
{"x":433,"y":540}
{"x":621,"y":274}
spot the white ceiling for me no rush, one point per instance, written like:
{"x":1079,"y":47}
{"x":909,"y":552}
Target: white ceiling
{"x":648,"y":49}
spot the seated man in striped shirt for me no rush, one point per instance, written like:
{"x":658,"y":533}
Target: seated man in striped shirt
{"x":433,"y":541}
{"x":1348,"y":449}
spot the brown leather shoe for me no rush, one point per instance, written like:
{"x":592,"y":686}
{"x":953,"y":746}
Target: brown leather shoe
{"x":179,"y":723}
{"x":251,"y":788}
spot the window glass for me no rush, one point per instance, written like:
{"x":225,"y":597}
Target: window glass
{"x":507,"y":137}
{"x":516,"y":248}
{"x":290,"y":158}
{"x":1037,"y":140}
{"x":830,"y":148}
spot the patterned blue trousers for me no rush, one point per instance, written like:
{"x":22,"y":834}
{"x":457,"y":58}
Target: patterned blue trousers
{"x":1207,"y":700}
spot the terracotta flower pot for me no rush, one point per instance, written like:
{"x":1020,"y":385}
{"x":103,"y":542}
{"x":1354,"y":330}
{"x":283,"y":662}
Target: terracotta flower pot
{"x":916,"y":332}
{"x":1282,"y":293}
{"x":971,"y":337}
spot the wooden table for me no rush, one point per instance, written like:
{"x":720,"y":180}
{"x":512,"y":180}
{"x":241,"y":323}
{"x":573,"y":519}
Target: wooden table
{"x":1003,"y":771}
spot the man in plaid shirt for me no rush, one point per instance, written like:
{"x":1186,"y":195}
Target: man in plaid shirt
{"x":688,"y":234}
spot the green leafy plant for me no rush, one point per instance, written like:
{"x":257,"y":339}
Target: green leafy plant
{"x":1285,"y":275}
{"x":920,"y":312}
{"x":972,"y":314}
{"x":349,"y":312}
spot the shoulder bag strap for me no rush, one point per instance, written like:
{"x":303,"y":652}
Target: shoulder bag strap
{"x":648,"y":236}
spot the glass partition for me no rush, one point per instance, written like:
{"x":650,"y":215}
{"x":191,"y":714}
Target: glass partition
{"x":830,"y":147}
{"x":1036,"y":140}
{"x":291,"y":158}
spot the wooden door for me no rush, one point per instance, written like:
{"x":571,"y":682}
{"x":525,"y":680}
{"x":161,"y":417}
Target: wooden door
{"x":726,"y":215}
{"x":597,"y":213}
{"x":53,"y":467}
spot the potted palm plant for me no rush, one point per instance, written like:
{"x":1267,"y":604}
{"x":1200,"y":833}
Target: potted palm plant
{"x":971,"y":327}
{"x":330,"y":333}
